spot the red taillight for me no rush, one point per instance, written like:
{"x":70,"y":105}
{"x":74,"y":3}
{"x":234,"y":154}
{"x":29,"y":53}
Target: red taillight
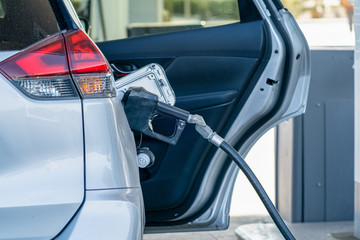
{"x":45,"y":69}
{"x":88,"y":67}
{"x":84,"y":56}
{"x":47,"y":58}
{"x":42,"y":70}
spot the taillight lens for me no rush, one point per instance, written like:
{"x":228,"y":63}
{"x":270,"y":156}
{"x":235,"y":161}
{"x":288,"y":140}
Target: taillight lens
{"x":42,"y":70}
{"x":88,"y":67}
{"x":46,"y":70}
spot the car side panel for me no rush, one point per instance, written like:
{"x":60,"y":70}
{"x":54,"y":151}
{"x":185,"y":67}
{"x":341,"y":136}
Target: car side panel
{"x":110,"y":151}
{"x":113,"y":214}
{"x":41,"y":164}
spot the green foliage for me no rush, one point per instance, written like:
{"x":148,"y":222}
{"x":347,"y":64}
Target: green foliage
{"x":2,"y":11}
{"x":76,"y":4}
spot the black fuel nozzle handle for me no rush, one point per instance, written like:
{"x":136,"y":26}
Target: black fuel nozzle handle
{"x":142,"y":106}
{"x":172,"y":111}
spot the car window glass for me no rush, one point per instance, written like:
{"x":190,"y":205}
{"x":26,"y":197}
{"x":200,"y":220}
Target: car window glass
{"x":112,"y":19}
{"x":24,"y":22}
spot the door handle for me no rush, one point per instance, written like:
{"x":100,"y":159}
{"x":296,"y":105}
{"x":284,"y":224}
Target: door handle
{"x":122,"y":69}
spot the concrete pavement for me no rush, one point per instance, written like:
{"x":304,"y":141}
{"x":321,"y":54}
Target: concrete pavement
{"x":301,"y":231}
{"x":228,"y":234}
{"x":262,"y":228}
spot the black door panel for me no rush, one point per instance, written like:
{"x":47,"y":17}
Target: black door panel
{"x":193,"y":75}
{"x":210,"y":70}
{"x":205,"y":100}
{"x":234,"y":40}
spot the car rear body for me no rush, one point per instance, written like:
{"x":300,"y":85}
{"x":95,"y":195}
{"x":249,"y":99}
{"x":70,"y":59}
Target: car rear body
{"x":66,"y":162}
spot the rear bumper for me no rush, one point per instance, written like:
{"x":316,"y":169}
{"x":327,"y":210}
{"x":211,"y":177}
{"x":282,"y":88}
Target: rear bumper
{"x":108,"y":214}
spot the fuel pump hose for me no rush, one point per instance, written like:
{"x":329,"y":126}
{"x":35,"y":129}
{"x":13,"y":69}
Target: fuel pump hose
{"x":206,"y":132}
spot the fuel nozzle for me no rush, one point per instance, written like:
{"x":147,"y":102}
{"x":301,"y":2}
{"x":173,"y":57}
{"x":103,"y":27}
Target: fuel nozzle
{"x":141,"y":107}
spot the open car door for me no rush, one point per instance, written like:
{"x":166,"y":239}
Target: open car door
{"x":243,"y":78}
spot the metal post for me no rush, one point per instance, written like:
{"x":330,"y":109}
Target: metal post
{"x":357,"y":119}
{"x":187,"y":9}
{"x":160,"y":10}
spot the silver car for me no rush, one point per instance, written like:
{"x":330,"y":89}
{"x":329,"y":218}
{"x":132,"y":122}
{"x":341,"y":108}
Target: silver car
{"x":68,"y":167}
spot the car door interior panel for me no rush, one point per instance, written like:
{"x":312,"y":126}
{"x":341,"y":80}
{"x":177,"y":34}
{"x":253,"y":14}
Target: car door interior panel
{"x":210,"y":70}
{"x":237,"y":39}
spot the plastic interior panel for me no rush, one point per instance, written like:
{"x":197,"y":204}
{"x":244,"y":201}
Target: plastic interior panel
{"x":209,"y":70}
{"x":238,"y":39}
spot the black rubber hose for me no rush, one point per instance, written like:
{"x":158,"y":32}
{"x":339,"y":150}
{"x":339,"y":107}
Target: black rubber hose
{"x":259,"y":189}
